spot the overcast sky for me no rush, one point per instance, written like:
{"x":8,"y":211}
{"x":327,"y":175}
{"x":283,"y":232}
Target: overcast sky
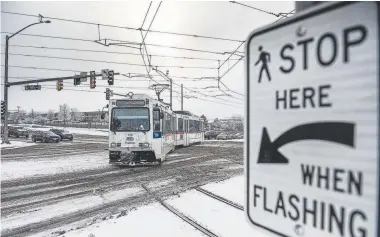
{"x":216,"y":19}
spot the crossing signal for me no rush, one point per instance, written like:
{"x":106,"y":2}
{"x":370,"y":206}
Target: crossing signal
{"x":2,"y":108}
{"x":92,"y":80}
{"x":110,"y":77}
{"x":59,"y":85}
{"x":108,"y":94}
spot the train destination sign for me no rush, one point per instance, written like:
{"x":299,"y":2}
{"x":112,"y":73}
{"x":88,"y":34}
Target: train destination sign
{"x":122,"y":103}
{"x":312,"y":149}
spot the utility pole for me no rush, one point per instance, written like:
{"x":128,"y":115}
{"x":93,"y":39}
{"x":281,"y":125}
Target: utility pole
{"x":181,"y":97}
{"x":171,"y":94}
{"x":6,"y":84}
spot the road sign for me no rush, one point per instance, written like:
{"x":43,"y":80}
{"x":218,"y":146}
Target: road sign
{"x":105,"y":74}
{"x":312,"y":149}
{"x":32,"y":87}
{"x":84,"y":75}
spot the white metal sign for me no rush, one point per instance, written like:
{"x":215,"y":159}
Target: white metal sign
{"x":312,"y":150}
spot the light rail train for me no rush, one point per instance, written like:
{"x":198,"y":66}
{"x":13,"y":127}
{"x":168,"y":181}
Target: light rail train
{"x":143,"y":130}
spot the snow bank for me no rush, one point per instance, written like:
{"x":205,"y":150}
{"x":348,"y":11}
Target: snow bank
{"x":87,"y":131}
{"x":65,"y":207}
{"x":16,"y":144}
{"x":40,"y":167}
{"x":151,"y":220}
{"x":232,"y":140}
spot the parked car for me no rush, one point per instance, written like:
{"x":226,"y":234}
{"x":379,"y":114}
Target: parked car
{"x":222,"y":136}
{"x":63,"y":134}
{"x":237,"y":136}
{"x":211,"y":135}
{"x":45,"y":136}
{"x":17,"y":131}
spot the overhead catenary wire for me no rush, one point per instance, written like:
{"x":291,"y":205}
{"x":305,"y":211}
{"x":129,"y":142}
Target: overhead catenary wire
{"x":261,"y":10}
{"x":103,"y":61}
{"x":122,"y":27}
{"x":113,"y":52}
{"x":192,"y":97}
{"x":122,"y":42}
{"x":292,"y":11}
{"x":69,"y":70}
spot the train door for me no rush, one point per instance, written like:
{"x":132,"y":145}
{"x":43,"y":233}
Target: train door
{"x":157,"y":133}
{"x":186,"y":129}
{"x":181,"y":132}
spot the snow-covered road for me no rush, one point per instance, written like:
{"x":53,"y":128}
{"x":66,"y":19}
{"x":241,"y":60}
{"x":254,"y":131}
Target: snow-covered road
{"x":51,"y":189}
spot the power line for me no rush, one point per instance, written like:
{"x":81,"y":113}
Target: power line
{"x":292,"y":11}
{"x":151,"y":21}
{"x":232,"y":54}
{"x":111,"y":52}
{"x":102,"y":61}
{"x":68,"y":70}
{"x":193,"y":97}
{"x":121,"y":43}
{"x":123,"y":27}
{"x":146,"y":14}
{"x":261,"y":10}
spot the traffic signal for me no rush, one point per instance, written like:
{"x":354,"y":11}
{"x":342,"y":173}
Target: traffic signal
{"x":2,"y":108}
{"x":92,"y":80}
{"x":110,"y":77}
{"x":108,"y":94}
{"x":59,"y":85}
{"x":76,"y":81}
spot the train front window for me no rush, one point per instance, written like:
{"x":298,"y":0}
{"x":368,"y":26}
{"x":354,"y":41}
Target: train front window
{"x":130,"y":119}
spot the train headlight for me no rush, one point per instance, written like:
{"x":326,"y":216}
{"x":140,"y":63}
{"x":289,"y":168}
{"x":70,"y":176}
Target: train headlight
{"x":113,"y":145}
{"x":145,"y":144}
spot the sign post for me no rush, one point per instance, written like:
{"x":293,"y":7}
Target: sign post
{"x":312,"y":149}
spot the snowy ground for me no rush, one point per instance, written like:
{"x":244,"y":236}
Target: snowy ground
{"x":16,"y":144}
{"x":69,"y":189}
{"x":40,"y":167}
{"x":216,"y":216}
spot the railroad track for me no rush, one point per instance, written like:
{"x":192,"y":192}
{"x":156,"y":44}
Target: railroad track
{"x":219,"y":198}
{"x":187,"y":219}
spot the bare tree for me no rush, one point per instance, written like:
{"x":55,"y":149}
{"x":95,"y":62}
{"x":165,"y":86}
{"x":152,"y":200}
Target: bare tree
{"x":50,"y":115}
{"x":21,"y":115}
{"x":64,"y":113}
{"x":75,"y":114}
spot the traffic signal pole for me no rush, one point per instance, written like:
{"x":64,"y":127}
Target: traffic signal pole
{"x":9,"y":84}
{"x":6,"y":92}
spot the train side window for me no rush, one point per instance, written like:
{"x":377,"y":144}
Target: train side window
{"x":180,"y":124}
{"x":156,"y":120}
{"x":168,"y":123}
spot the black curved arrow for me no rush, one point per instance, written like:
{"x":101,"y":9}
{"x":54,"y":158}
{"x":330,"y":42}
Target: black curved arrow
{"x":338,"y":132}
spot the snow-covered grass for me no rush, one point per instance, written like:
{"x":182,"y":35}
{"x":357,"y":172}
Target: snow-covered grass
{"x":39,"y":167}
{"x":151,"y":220}
{"x":16,"y":144}
{"x":65,"y":207}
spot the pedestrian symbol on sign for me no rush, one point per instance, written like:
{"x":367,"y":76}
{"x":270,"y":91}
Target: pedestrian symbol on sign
{"x":264,"y":58}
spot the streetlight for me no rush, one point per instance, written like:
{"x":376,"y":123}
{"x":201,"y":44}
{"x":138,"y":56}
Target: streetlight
{"x":7,"y":38}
